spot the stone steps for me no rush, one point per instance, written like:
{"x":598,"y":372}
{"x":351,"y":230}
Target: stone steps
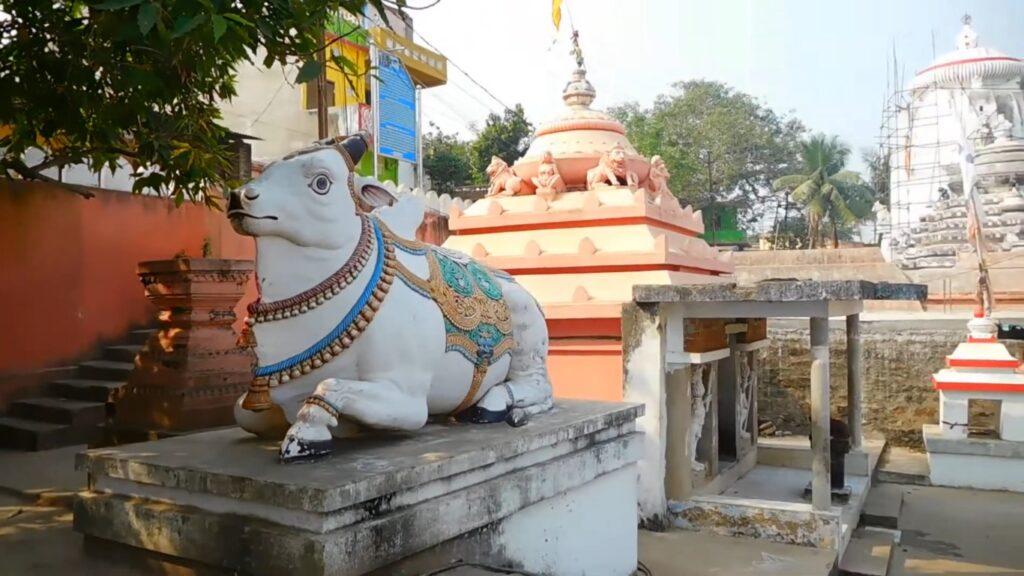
{"x":139,"y":337}
{"x":869,"y":552}
{"x":90,"y":390}
{"x":25,"y":434}
{"x":903,"y":466}
{"x":122,"y":352}
{"x":105,"y":370}
{"x":60,"y":411}
{"x":75,"y":410}
{"x":882,"y":507}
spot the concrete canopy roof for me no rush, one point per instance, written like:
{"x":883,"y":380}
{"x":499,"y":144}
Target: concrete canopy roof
{"x":780,"y":291}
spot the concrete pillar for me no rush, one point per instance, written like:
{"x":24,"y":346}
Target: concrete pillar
{"x":953,"y":410}
{"x":678,"y":475}
{"x":854,"y":381}
{"x":821,"y":493}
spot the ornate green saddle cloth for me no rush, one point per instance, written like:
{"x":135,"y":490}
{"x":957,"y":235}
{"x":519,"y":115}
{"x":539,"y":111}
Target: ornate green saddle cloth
{"x":477,"y":321}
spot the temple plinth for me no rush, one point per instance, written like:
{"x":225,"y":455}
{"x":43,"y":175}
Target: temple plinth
{"x":579,"y":221}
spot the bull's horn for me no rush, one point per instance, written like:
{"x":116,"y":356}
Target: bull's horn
{"x":355,"y":146}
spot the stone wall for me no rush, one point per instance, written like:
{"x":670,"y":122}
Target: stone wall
{"x":899,"y":360}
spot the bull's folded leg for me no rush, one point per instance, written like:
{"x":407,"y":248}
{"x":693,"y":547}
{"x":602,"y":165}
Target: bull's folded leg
{"x":382,"y":405}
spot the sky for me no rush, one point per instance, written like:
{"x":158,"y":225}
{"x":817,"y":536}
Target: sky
{"x":824,"y":61}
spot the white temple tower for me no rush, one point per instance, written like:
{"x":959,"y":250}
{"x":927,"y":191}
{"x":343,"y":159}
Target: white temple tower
{"x":973,"y":97}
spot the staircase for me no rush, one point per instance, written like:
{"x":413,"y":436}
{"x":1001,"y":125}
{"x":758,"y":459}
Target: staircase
{"x":875,"y":542}
{"x":74,"y":410}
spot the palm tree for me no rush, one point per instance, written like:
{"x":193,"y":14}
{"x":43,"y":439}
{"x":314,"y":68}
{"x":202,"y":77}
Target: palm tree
{"x":827,"y":191}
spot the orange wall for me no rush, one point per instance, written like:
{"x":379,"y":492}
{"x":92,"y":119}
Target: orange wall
{"x":68,"y":265}
{"x":586,"y":369}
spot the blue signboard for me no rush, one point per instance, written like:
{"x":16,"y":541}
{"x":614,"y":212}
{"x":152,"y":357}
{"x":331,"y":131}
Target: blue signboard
{"x":397,"y":101}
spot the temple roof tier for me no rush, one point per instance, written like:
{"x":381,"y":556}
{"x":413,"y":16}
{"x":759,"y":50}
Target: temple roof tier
{"x":969,"y":63}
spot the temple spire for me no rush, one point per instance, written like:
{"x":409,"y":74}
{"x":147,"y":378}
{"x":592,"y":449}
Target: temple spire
{"x":579,"y":93}
{"x":967,"y":38}
{"x":576,"y":51}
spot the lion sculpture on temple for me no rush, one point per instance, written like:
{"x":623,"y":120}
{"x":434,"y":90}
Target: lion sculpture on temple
{"x":358,"y":326}
{"x":611,"y":170}
{"x":503,"y":181}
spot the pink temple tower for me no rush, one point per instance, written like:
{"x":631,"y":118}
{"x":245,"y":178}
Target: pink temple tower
{"x":579,"y":221}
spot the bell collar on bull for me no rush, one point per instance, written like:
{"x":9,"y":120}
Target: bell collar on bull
{"x":371,"y":244}
{"x":260,"y":311}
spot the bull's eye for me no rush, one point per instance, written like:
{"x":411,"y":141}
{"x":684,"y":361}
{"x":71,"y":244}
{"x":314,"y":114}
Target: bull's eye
{"x":321,"y":184}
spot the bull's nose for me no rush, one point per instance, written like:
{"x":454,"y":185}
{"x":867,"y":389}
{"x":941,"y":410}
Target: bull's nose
{"x":234,"y":200}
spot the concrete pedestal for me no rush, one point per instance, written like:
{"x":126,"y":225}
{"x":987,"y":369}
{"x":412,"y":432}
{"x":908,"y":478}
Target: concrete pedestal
{"x":984,"y":463}
{"x":556,"y":496}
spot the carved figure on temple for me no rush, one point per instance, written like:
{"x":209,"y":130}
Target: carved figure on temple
{"x":358,"y":326}
{"x":504,"y":181}
{"x":548,"y":180}
{"x":657,"y":180}
{"x":700,"y":403}
{"x":611,"y":171}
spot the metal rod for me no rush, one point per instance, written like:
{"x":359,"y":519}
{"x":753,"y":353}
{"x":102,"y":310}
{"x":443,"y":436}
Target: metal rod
{"x":419,"y":138}
{"x":375,"y":106}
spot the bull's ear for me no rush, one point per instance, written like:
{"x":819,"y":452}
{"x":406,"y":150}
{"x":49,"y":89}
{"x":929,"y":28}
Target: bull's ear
{"x":356,"y":145}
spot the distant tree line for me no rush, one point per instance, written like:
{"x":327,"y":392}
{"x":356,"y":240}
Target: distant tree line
{"x":722,"y":146}
{"x":451,"y":162}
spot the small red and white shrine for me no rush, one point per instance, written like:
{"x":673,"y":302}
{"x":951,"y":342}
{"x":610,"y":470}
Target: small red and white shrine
{"x":981,"y":369}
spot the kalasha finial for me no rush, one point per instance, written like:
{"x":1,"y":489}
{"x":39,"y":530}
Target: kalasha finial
{"x":967,"y":38}
{"x":576,"y":51}
{"x":579,"y":92}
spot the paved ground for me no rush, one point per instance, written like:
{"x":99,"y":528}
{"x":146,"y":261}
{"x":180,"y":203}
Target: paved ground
{"x":48,"y":476}
{"x":960,"y":532}
{"x":695,"y":554}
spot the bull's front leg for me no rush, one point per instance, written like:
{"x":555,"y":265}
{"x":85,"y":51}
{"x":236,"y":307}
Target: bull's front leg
{"x":376,"y":404}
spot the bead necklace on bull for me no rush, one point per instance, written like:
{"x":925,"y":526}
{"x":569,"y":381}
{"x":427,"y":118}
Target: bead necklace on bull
{"x":476,"y":317}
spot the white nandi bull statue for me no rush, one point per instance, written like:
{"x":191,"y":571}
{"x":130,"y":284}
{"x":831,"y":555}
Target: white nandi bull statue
{"x":358,"y":326}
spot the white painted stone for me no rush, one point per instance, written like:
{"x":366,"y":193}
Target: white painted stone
{"x":982,"y":472}
{"x":1011,"y":418}
{"x":590,"y":531}
{"x":953,"y":414}
{"x":645,"y":383}
{"x":391,"y":377}
{"x":985,"y":464}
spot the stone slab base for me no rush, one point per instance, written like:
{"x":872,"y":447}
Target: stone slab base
{"x":980,"y":463}
{"x":546,"y":497}
{"x":785,"y":522}
{"x":556,"y":536}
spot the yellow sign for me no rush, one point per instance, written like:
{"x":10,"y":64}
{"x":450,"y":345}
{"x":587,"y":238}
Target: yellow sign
{"x":427,"y":68}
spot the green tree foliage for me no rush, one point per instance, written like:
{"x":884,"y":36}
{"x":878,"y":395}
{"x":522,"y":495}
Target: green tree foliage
{"x":879,"y":172}
{"x":506,"y":136}
{"x":92,"y":81}
{"x":828,"y":193}
{"x":446,"y":160}
{"x":717,"y":142}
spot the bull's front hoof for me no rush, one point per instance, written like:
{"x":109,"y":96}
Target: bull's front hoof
{"x":295,"y":449}
{"x":480,"y":415}
{"x":517,"y":417}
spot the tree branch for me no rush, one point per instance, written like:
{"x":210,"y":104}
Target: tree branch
{"x":28,"y":173}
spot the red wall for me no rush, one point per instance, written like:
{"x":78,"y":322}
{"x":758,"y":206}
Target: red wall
{"x":68,"y":267}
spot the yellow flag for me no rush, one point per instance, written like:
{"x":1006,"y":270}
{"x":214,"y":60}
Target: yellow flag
{"x":556,"y":12}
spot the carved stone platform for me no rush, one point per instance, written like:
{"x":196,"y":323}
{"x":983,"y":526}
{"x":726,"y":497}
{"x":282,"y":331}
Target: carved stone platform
{"x":191,"y":371}
{"x":555,"y":496}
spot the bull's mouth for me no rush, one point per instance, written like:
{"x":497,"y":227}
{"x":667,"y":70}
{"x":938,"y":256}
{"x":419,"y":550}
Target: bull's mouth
{"x":243,"y":214}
